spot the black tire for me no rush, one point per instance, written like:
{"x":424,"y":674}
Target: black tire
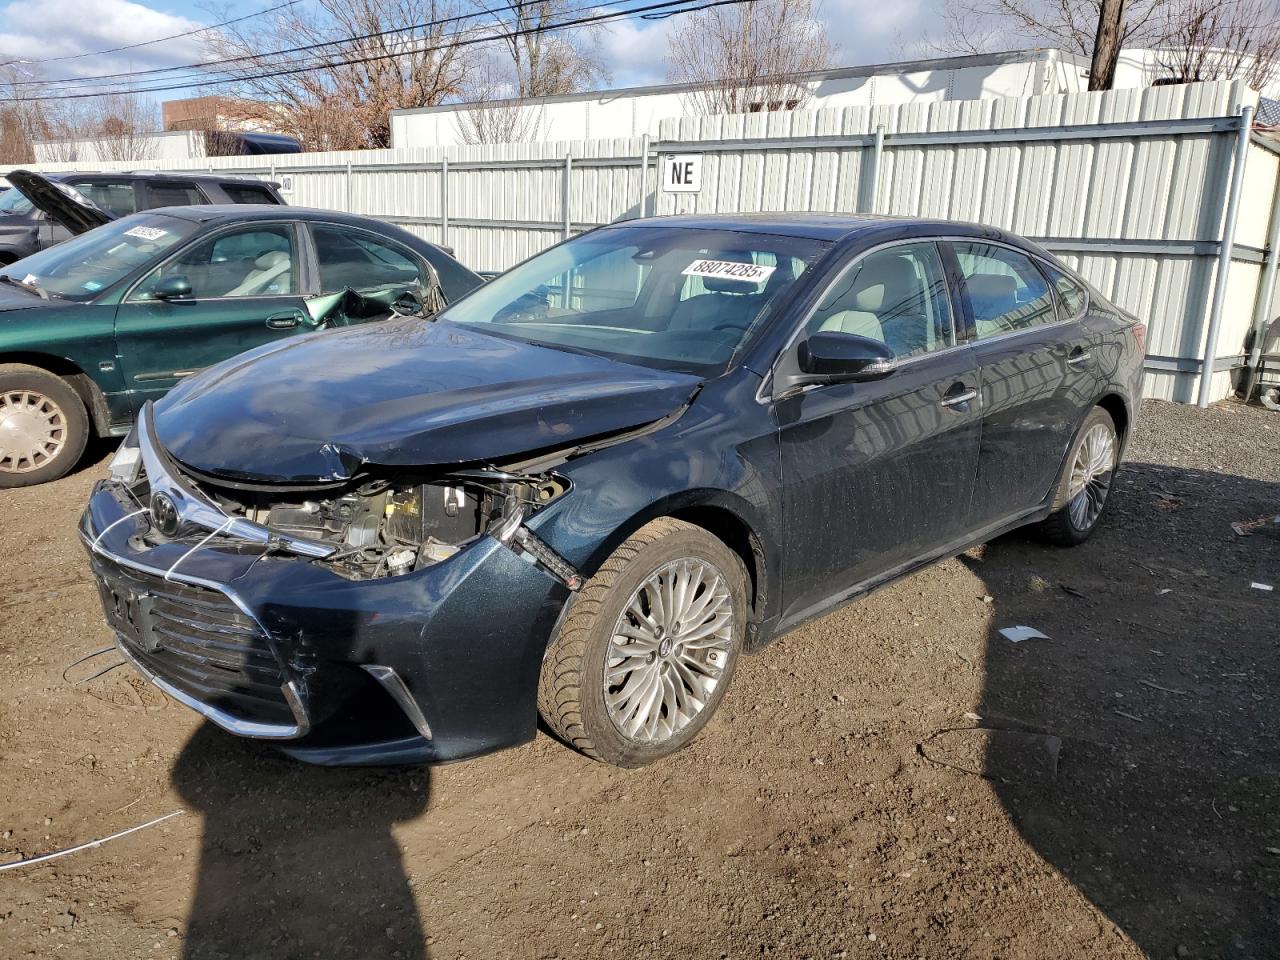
{"x":70,"y":424}
{"x":571,"y":689}
{"x":1063,"y":526}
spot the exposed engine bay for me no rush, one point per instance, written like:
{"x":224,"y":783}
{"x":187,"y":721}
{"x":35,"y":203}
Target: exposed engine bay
{"x":382,"y":528}
{"x":388,"y":527}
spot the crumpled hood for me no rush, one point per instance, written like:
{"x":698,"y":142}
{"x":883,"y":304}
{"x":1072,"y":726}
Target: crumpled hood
{"x":407,"y":393}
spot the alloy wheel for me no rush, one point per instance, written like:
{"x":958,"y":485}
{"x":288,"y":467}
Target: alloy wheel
{"x":668,"y":650}
{"x":1091,"y":475}
{"x":33,"y":431}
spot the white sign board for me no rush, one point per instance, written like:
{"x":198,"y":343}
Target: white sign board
{"x":682,"y":172}
{"x":286,"y":182}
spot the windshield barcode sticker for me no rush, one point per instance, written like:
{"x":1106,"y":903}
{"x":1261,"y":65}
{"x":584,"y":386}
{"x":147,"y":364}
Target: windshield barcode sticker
{"x":729,"y":270}
{"x":146,"y":233}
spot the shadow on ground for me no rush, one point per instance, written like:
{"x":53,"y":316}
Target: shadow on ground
{"x":297,"y":861}
{"x":1138,"y":750}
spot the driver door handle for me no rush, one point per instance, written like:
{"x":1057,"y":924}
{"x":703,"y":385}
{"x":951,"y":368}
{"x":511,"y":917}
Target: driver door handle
{"x":284,"y":321}
{"x":958,"y":399}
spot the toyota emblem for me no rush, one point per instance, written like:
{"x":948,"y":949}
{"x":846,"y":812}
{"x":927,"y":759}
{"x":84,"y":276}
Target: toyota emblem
{"x":164,"y":514}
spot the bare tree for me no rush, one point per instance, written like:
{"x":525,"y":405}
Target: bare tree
{"x":20,"y":121}
{"x":492,"y":114}
{"x":120,"y":127}
{"x":981,"y":26}
{"x":548,"y":62}
{"x":750,"y":57}
{"x":335,"y":103}
{"x":114,"y":127}
{"x":1217,"y":39}
{"x":1106,"y":45}
{"x":1195,"y":39}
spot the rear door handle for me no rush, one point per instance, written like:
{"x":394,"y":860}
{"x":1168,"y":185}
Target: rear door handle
{"x":958,"y":399}
{"x":1079,"y":356}
{"x":284,"y":321}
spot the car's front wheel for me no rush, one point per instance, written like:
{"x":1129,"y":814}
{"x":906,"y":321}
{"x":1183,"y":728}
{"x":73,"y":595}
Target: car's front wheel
{"x":645,"y":654}
{"x":43,"y":426}
{"x":1085,"y":487}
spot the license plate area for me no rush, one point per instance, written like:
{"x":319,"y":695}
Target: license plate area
{"x":128,"y":614}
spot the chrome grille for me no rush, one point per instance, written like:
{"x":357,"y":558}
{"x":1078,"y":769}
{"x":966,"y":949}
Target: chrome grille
{"x":195,"y":638}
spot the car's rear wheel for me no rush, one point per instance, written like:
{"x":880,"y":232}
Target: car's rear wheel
{"x":1085,"y":488}
{"x":43,"y":426}
{"x":645,"y":654}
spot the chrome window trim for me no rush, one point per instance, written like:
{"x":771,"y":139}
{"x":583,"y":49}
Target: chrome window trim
{"x":767,"y":380}
{"x":1080,"y":285}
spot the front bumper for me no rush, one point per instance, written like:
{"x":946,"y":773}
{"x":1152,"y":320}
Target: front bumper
{"x":439,"y":664}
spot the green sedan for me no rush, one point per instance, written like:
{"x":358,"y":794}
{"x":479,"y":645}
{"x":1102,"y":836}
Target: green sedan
{"x":93,"y":328}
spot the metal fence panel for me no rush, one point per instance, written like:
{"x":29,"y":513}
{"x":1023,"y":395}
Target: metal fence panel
{"x":1129,"y":186}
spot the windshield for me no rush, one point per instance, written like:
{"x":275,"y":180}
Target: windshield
{"x":84,"y":266}
{"x":668,"y":297}
{"x":13,"y":201}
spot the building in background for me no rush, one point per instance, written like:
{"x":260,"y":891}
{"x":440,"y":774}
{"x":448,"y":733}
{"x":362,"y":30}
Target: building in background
{"x":218,"y":113}
{"x":637,"y":111}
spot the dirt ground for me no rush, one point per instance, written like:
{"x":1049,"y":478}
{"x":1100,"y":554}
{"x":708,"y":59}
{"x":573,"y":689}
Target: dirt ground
{"x":837,"y":806}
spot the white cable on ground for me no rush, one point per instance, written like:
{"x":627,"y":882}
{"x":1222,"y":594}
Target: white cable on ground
{"x":86,"y":846}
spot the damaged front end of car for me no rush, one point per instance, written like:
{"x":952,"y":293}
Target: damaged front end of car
{"x":387,"y":617}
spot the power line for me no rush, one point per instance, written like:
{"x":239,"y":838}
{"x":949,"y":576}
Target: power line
{"x":73,"y":82}
{"x":199,"y":74}
{"x":633,"y":13}
{"x":146,"y":43}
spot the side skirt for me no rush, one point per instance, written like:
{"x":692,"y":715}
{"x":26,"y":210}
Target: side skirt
{"x":869,"y":586}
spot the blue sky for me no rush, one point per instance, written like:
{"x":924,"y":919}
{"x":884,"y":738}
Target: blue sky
{"x":863,"y":31}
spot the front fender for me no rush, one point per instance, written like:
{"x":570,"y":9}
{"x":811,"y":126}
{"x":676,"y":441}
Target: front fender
{"x":708,"y":459}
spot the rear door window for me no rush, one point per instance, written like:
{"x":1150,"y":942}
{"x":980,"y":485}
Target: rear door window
{"x":173,"y":193}
{"x":1005,"y":289}
{"x":248,"y":193}
{"x":1071,"y":295}
{"x":361,"y":262}
{"x":115,"y":196}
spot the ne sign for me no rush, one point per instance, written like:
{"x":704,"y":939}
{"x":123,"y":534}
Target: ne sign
{"x":682,"y":172}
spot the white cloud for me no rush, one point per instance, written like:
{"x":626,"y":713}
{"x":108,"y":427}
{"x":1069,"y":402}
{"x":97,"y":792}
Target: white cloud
{"x":38,"y":30}
{"x":860,"y":31}
{"x":636,"y":51}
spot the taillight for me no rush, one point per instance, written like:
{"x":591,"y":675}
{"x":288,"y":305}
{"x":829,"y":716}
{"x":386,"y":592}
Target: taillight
{"x":1140,"y":337}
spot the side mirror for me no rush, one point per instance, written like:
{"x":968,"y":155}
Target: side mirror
{"x":172,"y":288}
{"x":830,"y":357}
{"x":840,"y":357}
{"x":407,"y":304}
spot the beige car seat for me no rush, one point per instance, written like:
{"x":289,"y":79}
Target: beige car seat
{"x":879,"y":294}
{"x":268,"y":267}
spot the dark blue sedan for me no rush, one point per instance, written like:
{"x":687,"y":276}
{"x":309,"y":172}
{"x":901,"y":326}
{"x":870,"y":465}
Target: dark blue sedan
{"x":585,"y":489}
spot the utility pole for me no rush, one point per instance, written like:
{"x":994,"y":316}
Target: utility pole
{"x":1106,"y":45}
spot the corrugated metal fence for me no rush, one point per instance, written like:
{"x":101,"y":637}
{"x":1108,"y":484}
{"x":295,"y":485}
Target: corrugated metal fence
{"x":1131,"y":187}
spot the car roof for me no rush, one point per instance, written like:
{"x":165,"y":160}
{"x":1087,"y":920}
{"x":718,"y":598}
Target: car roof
{"x":834,"y":227}
{"x":207,"y":212}
{"x":158,"y":175}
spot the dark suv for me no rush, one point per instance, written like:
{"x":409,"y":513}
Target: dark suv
{"x":26,"y":229}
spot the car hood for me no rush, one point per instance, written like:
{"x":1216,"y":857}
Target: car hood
{"x":63,"y":202}
{"x":403,"y":393}
{"x":14,"y":300}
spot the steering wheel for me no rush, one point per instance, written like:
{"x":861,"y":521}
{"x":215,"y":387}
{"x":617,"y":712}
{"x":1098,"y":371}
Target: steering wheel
{"x":729,"y":326}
